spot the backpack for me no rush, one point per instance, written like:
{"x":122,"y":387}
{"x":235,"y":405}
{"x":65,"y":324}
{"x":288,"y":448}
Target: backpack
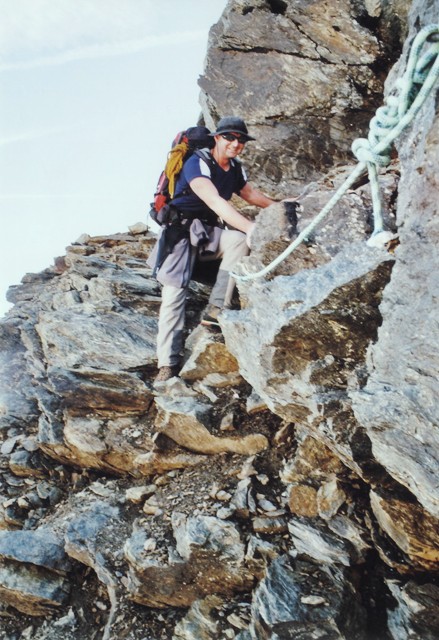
{"x":183,"y":146}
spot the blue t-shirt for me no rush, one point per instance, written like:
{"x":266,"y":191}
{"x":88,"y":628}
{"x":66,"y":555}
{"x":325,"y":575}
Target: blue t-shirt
{"x":226,"y":182}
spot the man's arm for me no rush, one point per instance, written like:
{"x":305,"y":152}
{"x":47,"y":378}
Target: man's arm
{"x":207,"y":192}
{"x":253,"y":196}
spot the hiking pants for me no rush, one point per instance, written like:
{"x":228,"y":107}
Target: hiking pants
{"x":232,"y":247}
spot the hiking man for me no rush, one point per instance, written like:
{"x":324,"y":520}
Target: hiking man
{"x":205,"y":188}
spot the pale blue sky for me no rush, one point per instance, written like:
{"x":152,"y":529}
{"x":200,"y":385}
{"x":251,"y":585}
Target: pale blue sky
{"x":91,"y":94}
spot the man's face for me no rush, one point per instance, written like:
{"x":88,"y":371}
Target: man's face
{"x":230,"y":144}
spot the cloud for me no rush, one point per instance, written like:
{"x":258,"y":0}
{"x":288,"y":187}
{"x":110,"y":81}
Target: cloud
{"x":105,"y":50}
{"x":48,"y":32}
{"x":32,"y":134}
{"x":48,"y":196}
{"x":32,"y":26}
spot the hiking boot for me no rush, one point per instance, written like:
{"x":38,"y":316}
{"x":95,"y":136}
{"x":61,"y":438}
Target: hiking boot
{"x":165,"y":373}
{"x":210,"y":317}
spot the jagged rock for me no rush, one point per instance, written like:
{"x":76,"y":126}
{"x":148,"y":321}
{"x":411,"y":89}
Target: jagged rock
{"x":112,"y":444}
{"x":158,"y":462}
{"x":398,"y":405}
{"x":137,"y":494}
{"x":243,"y":503}
{"x":227,"y":422}
{"x":312,"y":460}
{"x":269,"y":525}
{"x":410,"y":527}
{"x":255,"y":403}
{"x":294,"y":46}
{"x":41,"y":548}
{"x":313,"y":539}
{"x":302,"y":500}
{"x":108,"y":341}
{"x":85,"y":538}
{"x":184,"y":421}
{"x":247,"y":469}
{"x":25,"y":463}
{"x":324,"y":332}
{"x":281,"y":608}
{"x":32,"y":590}
{"x":415,"y":616}
{"x":101,"y":391}
{"x":353,"y":532}
{"x":207,"y":355}
{"x":81,"y":537}
{"x":264,"y":504}
{"x":176,"y":388}
{"x":213,"y":617}
{"x":348,"y":222}
{"x":33,"y":567}
{"x":139,"y":227}
{"x":208,"y":559}
{"x":9,"y":445}
{"x":198,"y":624}
{"x":17,"y":402}
{"x":221,"y":380}
{"x":341,"y":346}
{"x":330,"y":497}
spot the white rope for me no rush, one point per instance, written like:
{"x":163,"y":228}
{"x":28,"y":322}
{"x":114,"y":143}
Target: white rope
{"x":410,"y":93}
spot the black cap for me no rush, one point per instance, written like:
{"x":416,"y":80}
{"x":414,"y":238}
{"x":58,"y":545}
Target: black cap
{"x":231,"y":124}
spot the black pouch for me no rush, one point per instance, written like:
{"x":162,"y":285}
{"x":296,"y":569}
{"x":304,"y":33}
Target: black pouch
{"x":174,"y":230}
{"x":168,"y":215}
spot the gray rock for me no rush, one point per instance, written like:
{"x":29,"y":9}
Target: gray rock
{"x":41,"y":548}
{"x":304,"y":359}
{"x":110,"y":341}
{"x":339,"y":342}
{"x":398,"y":405}
{"x":199,"y":623}
{"x":186,"y":422}
{"x":309,"y":108}
{"x":314,"y":540}
{"x":415,"y":615}
{"x":281,"y":607}
{"x":209,"y":558}
{"x":32,"y":590}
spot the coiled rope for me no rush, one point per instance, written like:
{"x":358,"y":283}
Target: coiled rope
{"x":400,"y":107}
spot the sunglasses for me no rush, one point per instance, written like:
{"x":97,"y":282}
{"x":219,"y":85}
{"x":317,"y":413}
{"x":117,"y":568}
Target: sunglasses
{"x":230,"y":137}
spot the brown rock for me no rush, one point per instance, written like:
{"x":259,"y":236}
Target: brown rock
{"x":208,"y":355}
{"x":185,"y":422}
{"x":302,"y":500}
{"x":410,"y":527}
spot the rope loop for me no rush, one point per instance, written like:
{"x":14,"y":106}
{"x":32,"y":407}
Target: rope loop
{"x":400,"y":108}
{"x":363,"y":150}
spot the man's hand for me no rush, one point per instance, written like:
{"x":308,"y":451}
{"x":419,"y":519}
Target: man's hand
{"x":249,"y":235}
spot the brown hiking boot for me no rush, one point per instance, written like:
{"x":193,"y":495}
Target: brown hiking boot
{"x":165,"y":373}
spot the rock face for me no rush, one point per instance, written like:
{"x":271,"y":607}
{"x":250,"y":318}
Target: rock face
{"x":285,"y":484}
{"x":306,"y":75}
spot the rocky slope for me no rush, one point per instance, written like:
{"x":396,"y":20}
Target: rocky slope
{"x":285,"y":485}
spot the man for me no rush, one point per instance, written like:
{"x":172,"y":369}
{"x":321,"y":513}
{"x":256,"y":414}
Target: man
{"x":203,"y":193}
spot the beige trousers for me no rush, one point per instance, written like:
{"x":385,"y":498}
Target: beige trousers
{"x":232,"y":247}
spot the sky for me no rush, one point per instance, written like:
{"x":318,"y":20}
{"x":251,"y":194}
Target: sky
{"x":92,"y":93}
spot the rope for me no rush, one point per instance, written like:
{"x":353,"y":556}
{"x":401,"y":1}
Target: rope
{"x":400,"y":108}
{"x":174,"y":164}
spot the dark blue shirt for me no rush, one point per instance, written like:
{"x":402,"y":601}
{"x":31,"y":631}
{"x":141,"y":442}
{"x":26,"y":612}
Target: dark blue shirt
{"x":226,"y":182}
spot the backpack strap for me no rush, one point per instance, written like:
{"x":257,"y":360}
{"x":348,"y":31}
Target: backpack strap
{"x":205,"y":155}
